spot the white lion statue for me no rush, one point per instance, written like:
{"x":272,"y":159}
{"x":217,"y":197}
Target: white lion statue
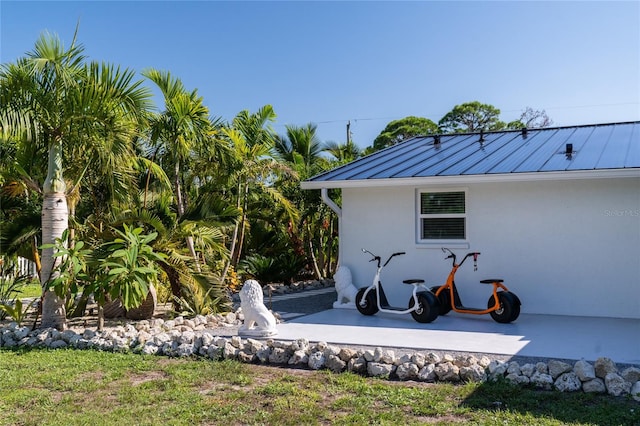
{"x":258,"y":321}
{"x":345,"y":288}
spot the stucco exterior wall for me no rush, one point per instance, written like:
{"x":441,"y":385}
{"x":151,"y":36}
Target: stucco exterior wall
{"x":564,"y":247}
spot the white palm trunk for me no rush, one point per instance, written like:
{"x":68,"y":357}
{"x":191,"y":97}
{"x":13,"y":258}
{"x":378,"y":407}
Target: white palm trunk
{"x":55,"y":219}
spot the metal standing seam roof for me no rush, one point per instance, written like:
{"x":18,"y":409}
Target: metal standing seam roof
{"x":594,"y":147}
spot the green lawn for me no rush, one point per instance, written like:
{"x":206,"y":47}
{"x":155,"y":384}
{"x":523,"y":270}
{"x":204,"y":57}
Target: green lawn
{"x":32,"y":289}
{"x":70,"y":387}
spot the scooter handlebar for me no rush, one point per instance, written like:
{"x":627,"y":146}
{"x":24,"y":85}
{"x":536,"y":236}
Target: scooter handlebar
{"x":391,"y":257}
{"x":378,"y":258}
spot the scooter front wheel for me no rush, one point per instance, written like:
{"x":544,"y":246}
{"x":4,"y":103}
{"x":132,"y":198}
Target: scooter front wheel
{"x":366,"y":305}
{"x":427,"y":309}
{"x":444,"y":299}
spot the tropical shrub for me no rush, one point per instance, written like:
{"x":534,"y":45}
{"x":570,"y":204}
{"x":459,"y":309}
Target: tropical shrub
{"x":282,"y":268}
{"x":123,"y":268}
{"x":11,"y":285}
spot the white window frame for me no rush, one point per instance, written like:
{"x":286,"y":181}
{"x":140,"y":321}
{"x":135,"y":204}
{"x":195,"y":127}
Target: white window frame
{"x":450,"y":243}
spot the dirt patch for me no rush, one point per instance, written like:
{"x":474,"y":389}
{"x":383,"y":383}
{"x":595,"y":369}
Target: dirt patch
{"x":138,"y":379}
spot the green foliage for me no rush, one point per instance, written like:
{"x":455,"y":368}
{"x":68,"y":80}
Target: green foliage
{"x":202,"y":293}
{"x":281,"y":268}
{"x":122,"y":268}
{"x":471,"y":117}
{"x":400,"y":130}
{"x":11,"y":286}
{"x":260,"y":267}
{"x":300,"y":146}
{"x":128,"y":268}
{"x":15,"y":310}
{"x":73,"y":268}
{"x":196,"y":301}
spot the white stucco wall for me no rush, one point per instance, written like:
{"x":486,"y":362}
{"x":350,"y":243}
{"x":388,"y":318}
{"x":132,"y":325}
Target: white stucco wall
{"x":564,"y":247}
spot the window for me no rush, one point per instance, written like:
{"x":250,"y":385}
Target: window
{"x":442,"y":216}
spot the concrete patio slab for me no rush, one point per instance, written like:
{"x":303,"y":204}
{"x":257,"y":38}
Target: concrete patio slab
{"x":546,"y":336}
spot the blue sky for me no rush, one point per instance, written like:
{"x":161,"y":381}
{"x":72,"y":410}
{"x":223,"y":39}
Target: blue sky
{"x":364,"y":62}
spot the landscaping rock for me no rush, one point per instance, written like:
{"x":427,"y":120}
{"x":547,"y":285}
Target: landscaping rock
{"x":473,"y":373}
{"x":542,"y":380}
{"x":568,"y":382}
{"x":377,"y":369}
{"x":407,"y":371}
{"x":316,"y":360}
{"x":299,"y":357}
{"x":616,"y":384}
{"x":631,"y":374}
{"x":594,"y":386}
{"x":335,"y":364}
{"x":517,"y":379}
{"x":604,"y":366}
{"x":584,"y":371}
{"x":357,"y":365}
{"x":635,"y":391}
{"x":427,"y":373}
{"x":556,"y":368}
{"x":447,"y":372}
{"x":184,"y":337}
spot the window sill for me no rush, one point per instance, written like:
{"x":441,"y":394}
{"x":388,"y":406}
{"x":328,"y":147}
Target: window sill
{"x":438,"y":244}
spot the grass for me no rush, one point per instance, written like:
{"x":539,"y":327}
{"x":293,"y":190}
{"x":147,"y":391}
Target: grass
{"x":32,"y":289}
{"x":70,"y":387}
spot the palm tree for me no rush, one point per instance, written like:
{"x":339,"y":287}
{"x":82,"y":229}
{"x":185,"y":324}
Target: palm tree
{"x":177,"y":132}
{"x":252,"y":142}
{"x":22,"y":168}
{"x":301,"y":145}
{"x":66,"y":102}
{"x":344,"y":153}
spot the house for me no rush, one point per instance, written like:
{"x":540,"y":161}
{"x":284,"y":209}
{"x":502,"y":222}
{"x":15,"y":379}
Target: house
{"x":555,"y":212}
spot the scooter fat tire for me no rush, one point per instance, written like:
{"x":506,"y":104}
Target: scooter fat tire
{"x":428,"y":307}
{"x":509,"y":307}
{"x":370,"y":303}
{"x":444,"y":299}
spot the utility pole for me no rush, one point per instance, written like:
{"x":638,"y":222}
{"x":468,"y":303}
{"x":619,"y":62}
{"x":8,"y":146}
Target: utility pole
{"x":348,"y":132}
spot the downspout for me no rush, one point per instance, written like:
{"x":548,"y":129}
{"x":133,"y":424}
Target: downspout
{"x":324,"y":194}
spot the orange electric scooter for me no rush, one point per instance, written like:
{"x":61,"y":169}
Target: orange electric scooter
{"x":503,"y":305}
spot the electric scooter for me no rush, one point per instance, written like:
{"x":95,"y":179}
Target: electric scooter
{"x":423,"y":304}
{"x":503,"y":306}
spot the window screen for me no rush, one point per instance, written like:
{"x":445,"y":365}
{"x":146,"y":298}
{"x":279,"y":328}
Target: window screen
{"x":442,"y":216}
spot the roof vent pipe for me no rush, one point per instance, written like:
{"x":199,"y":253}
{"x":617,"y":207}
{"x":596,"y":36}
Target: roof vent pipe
{"x":436,"y":140}
{"x":569,"y":149}
{"x":525,"y":132}
{"x":481,"y":136}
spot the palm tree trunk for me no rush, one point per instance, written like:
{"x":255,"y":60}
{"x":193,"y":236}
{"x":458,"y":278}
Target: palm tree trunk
{"x":36,"y":256}
{"x":174,"y":280}
{"x":316,"y":270}
{"x":100,"y":317}
{"x":234,"y":238}
{"x":243,"y":222}
{"x":146,"y":185}
{"x":181,"y":209}
{"x":55,"y":220}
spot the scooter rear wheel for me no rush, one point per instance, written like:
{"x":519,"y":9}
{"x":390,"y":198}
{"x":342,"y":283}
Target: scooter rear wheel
{"x":427,"y":309}
{"x":368,"y":305}
{"x":509,"y":309}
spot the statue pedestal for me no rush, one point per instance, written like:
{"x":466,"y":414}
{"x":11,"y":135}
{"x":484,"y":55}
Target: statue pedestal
{"x":349,"y":305}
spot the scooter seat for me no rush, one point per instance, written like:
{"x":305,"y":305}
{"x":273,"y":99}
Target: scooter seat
{"x":413,"y":281}
{"x":492,"y":280}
